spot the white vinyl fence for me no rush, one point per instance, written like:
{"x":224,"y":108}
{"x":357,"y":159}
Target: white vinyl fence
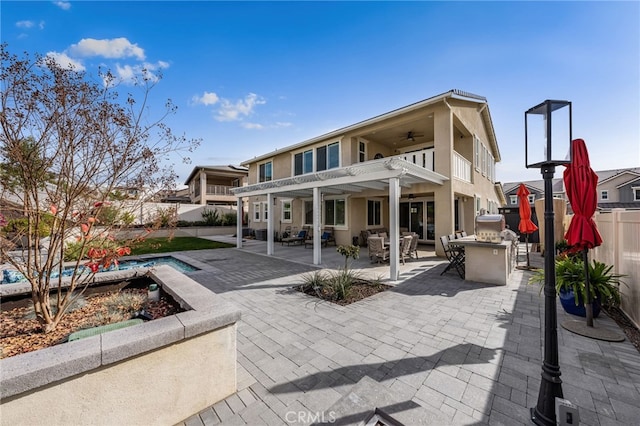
{"x":620,"y":231}
{"x":145,"y":212}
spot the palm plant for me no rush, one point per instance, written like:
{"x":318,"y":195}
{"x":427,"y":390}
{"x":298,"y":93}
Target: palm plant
{"x":604,"y":283}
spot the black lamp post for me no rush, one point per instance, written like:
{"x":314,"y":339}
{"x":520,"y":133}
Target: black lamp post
{"x":540,"y":153}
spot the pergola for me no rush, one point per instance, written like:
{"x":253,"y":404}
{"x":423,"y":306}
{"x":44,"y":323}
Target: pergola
{"x":386,"y":173}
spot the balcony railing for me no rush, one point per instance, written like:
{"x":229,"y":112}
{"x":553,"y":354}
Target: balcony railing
{"x":423,"y":158}
{"x":219,"y":190}
{"x":461,"y":167}
{"x":426,"y":158}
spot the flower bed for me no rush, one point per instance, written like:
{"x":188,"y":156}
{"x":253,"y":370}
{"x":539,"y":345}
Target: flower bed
{"x":182,"y":364}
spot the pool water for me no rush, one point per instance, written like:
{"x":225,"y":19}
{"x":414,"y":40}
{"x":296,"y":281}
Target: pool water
{"x":11,"y":276}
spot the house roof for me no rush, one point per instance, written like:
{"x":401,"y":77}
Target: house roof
{"x":558,"y":183}
{"x":451,"y":94}
{"x":534,"y":186}
{"x":632,"y":181}
{"x":240,"y":170}
{"x":606,"y":175}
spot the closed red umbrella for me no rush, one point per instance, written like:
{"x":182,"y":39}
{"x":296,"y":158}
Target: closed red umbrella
{"x":526,"y":225}
{"x":580,"y":183}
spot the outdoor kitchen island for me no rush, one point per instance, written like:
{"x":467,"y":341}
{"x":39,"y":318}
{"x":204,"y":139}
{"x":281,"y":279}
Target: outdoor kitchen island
{"x":486,"y":262}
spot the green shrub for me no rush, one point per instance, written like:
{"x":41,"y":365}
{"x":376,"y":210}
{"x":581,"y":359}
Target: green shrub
{"x":229,"y":219}
{"x":211,"y":217}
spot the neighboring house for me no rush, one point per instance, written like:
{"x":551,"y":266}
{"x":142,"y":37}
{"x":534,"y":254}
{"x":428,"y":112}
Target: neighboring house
{"x":213,"y":184}
{"x":618,"y":188}
{"x":428,"y":167}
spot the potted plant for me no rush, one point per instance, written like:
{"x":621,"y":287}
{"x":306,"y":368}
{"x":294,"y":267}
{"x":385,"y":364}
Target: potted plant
{"x":571,"y":287}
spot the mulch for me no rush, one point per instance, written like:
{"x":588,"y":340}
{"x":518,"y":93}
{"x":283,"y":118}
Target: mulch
{"x":358,"y":291}
{"x":20,"y":332}
{"x":630,"y":330}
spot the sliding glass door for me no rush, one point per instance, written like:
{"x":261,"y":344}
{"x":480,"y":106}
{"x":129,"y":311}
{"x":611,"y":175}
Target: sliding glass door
{"x":418,"y":217}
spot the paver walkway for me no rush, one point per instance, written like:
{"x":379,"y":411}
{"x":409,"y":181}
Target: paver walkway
{"x":470,"y":353}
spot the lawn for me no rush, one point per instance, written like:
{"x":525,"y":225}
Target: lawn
{"x":164,"y":245}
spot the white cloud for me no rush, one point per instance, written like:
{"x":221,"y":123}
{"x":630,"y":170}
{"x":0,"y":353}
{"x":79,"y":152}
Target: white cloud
{"x":130,"y":73}
{"x":114,"y":48}
{"x":253,"y":126}
{"x":64,"y":61}
{"x":41,"y":25}
{"x":230,"y":111}
{"x":207,"y":98}
{"x":25,"y":24}
{"x":281,"y":124}
{"x":64,"y":5}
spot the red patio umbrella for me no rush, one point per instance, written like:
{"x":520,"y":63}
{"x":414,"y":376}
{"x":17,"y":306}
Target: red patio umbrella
{"x":526,"y":226}
{"x":580,"y":183}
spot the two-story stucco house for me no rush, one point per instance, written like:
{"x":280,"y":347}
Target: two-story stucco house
{"x":428,"y":167}
{"x":619,"y":189}
{"x":213,"y":184}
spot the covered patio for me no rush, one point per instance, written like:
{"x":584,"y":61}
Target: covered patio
{"x":389,"y":174}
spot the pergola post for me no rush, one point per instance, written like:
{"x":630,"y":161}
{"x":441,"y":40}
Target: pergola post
{"x":239,"y":215}
{"x":394,"y":228}
{"x":317,"y":242}
{"x":269,"y":224}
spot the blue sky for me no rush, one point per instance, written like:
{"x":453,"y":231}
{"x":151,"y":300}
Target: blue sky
{"x":249,"y":78}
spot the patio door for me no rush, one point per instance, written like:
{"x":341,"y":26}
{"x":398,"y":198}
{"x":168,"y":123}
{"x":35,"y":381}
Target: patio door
{"x":419,"y":217}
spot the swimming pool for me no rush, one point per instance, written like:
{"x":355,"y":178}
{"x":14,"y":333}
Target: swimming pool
{"x":10,"y":276}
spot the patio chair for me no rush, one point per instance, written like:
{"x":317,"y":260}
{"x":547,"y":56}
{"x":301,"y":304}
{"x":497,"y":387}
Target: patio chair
{"x":329,"y":235}
{"x":377,"y":251}
{"x":324,"y":240}
{"x":405,"y":247}
{"x":296,"y":239}
{"x":413,"y":250}
{"x":455,"y":256}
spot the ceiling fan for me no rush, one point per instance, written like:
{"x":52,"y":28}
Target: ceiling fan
{"x":411,"y":136}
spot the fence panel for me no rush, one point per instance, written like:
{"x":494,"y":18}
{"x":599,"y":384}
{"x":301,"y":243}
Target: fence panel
{"x":621,"y":247}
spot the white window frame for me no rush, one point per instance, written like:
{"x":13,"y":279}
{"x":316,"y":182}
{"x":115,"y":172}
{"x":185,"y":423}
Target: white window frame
{"x":257,"y":215}
{"x":284,"y":210}
{"x":265,"y":163}
{"x":476,"y":149}
{"x":604,"y":195}
{"x":636,"y":193}
{"x":334,"y":198}
{"x":532,"y":198}
{"x":478,"y":203}
{"x":513,"y":199}
{"x":362,"y":151}
{"x":265,"y":211}
{"x":381,"y":219}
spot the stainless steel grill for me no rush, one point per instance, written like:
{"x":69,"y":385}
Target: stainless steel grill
{"x":489,"y":228}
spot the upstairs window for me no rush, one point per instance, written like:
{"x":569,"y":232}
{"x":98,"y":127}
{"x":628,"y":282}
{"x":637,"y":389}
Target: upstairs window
{"x":636,"y":193}
{"x":265,"y":172}
{"x":362,"y":152}
{"x":604,"y":195}
{"x":513,"y":199}
{"x":532,"y":198}
{"x":303,"y":162}
{"x":328,"y":157}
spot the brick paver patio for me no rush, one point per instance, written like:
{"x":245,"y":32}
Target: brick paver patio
{"x":467,"y":353}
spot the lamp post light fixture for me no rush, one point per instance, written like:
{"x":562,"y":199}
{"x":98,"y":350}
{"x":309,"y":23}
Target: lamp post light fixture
{"x":544,"y":123}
